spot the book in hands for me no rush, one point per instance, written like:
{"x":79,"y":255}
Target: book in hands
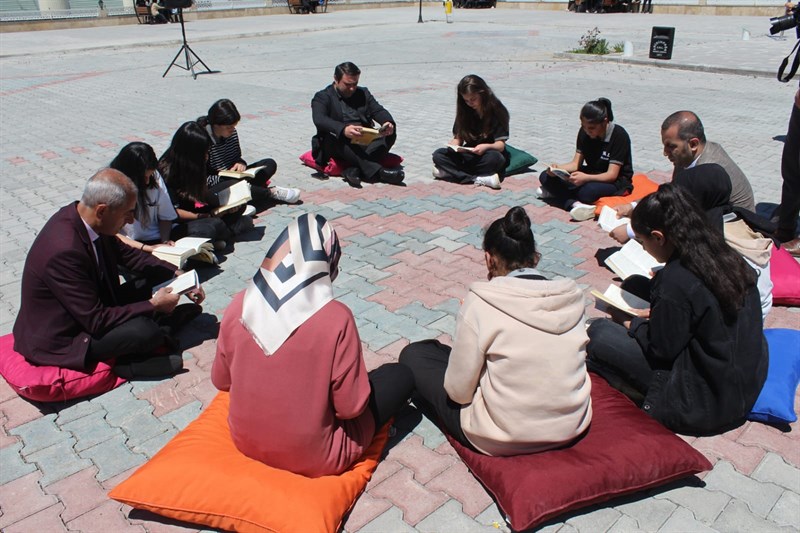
{"x":368,"y":135}
{"x":631,"y":259}
{"x":184,"y":249}
{"x":559,"y":173}
{"x":608,"y":219}
{"x":250,"y":173}
{"x":234,"y":196}
{"x":620,"y":299}
{"x":457,"y":148}
{"x":182,"y":284}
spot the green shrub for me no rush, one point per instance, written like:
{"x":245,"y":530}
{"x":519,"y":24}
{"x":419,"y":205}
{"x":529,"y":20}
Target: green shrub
{"x":619,"y":47}
{"x":591,"y":43}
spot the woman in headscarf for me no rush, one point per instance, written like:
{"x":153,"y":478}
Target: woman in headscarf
{"x":290,"y":356}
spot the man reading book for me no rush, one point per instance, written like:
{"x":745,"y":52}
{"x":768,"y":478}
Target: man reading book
{"x":340,"y":112}
{"x":74,"y":312}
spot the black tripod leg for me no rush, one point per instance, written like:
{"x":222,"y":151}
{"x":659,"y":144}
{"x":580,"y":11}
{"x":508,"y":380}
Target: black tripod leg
{"x":173,"y":61}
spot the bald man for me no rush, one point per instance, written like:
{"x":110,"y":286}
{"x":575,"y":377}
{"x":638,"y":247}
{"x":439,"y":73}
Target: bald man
{"x":74,"y":312}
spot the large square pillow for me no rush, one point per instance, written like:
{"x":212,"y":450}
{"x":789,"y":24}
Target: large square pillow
{"x":200,"y":477}
{"x":51,"y":383}
{"x":335,"y":167}
{"x":518,"y":161}
{"x":642,"y":186}
{"x":784,"y":271}
{"x":775,"y":404}
{"x":623,"y":451}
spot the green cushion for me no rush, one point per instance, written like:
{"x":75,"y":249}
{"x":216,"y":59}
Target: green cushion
{"x":518,"y":160}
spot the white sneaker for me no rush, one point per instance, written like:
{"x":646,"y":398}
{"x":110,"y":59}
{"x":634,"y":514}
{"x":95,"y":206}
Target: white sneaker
{"x":492,"y":181}
{"x":438,"y":173}
{"x":289,"y":195}
{"x":249,"y":211}
{"x":543,"y":194}
{"x":581,"y":211}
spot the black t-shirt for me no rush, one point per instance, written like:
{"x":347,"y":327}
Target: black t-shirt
{"x":614,"y":148}
{"x":499,"y":132}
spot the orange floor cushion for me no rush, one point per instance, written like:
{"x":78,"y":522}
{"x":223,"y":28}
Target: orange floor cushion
{"x":642,"y":186}
{"x":200,"y":477}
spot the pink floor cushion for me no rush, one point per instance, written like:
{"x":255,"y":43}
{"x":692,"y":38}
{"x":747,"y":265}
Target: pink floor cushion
{"x":336,"y":167}
{"x":775,"y":404}
{"x":785,"y":274}
{"x":51,"y":383}
{"x":624,"y":451}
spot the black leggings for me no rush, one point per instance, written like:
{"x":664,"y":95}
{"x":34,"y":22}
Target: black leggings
{"x":391,"y":386}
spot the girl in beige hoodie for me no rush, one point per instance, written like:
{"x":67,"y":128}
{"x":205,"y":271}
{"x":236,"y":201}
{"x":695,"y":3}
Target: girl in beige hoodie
{"x":515,"y":380}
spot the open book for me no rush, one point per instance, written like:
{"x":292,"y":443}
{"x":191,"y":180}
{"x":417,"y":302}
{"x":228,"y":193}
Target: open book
{"x":559,"y":173}
{"x":621,"y":299}
{"x":632,"y":259}
{"x":245,"y":174}
{"x":368,"y":135}
{"x":457,"y":148}
{"x":608,"y":219}
{"x":184,"y":249}
{"x":232,"y":197}
{"x":182,"y":284}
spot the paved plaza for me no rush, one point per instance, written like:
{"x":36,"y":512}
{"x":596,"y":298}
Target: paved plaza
{"x":72,"y":98}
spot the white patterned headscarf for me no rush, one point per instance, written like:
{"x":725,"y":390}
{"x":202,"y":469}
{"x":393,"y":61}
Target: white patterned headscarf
{"x":293,"y":282}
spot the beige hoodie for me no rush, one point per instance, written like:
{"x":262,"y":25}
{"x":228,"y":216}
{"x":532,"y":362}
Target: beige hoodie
{"x":518,"y":365}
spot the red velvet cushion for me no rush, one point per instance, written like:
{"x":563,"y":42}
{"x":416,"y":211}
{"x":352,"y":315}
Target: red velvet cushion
{"x":785,"y":274}
{"x":624,"y":451}
{"x":336,"y":167}
{"x":51,"y":383}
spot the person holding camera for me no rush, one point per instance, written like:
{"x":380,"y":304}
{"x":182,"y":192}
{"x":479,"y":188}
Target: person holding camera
{"x":789,"y":208}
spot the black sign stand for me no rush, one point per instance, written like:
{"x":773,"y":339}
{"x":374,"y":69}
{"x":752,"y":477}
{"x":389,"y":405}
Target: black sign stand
{"x":191,"y":58}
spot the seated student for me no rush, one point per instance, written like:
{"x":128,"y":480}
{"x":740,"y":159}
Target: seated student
{"x":183,"y":166}
{"x":515,"y":380}
{"x":73,"y":310}
{"x":481,"y":125}
{"x":226,"y":154}
{"x":602,"y":166}
{"x":697,"y":359}
{"x":290,"y":355}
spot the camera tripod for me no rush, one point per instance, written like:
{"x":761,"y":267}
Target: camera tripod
{"x":191,"y":58}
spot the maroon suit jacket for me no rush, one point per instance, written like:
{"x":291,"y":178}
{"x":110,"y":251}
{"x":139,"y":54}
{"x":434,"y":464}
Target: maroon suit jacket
{"x":64,"y":299}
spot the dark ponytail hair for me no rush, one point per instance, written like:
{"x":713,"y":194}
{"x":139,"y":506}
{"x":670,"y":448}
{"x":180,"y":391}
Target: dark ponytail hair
{"x":700,"y":248}
{"x":221,"y":113}
{"x":510,"y":238}
{"x":597,"y":111}
{"x":135,"y":160}
{"x":183,"y":165}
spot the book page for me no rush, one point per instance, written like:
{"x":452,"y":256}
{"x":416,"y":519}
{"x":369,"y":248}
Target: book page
{"x":191,"y":242}
{"x":182,"y":284}
{"x":559,"y":173}
{"x":367,"y":136}
{"x":608,"y":219}
{"x":456,"y":148}
{"x":632,"y":259}
{"x":233,"y":196}
{"x":622,"y":300}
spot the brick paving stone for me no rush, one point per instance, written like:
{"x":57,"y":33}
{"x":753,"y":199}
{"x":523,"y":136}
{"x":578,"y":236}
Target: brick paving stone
{"x":391,"y":520}
{"x":365,"y":510}
{"x":625,"y":524}
{"x":772,"y":439}
{"x":415,"y":501}
{"x":449,"y":517}
{"x":181,"y":417}
{"x":773,"y":469}
{"x":432,"y":437}
{"x":492,"y":517}
{"x":112,"y":457}
{"x":706,"y":505}
{"x":13,"y":465}
{"x":45,"y":520}
{"x":58,"y":462}
{"x":424,"y":462}
{"x":22,"y":498}
{"x":18,"y":411}
{"x":459,"y":483}
{"x":80,"y":493}
{"x":106,"y":517}
{"x":683,"y":520}
{"x":759,"y":497}
{"x":787,"y":511}
{"x":737,"y":517}
{"x":649,"y":513}
{"x":90,"y":430}
{"x":599,"y":519}
{"x":152,"y":446}
{"x":744,"y":458}
{"x":78,"y":409}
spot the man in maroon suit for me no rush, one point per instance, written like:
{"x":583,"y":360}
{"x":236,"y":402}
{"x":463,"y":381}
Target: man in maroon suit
{"x":73,"y":310}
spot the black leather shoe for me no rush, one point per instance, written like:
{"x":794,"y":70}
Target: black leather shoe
{"x":180,"y":316}
{"x":152,"y":367}
{"x":352,"y":175}
{"x":393,"y":176}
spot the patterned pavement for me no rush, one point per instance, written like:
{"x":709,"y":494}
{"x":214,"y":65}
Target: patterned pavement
{"x":72,"y":98}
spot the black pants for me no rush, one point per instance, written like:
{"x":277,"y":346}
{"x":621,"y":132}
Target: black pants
{"x":366,"y":158}
{"x":790,"y":170}
{"x":427,"y":360}
{"x":567,"y":194}
{"x":466,"y":166}
{"x":391,"y":387}
{"x":617,"y":357}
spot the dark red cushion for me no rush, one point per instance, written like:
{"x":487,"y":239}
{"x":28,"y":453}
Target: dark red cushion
{"x":51,"y":383}
{"x":624,"y":451}
{"x":335,"y":167}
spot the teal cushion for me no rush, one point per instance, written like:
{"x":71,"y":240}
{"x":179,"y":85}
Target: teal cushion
{"x":518,"y":160}
{"x":775,"y":404}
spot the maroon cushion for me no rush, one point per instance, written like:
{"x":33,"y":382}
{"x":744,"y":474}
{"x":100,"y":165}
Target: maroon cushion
{"x":624,"y":451}
{"x":335,"y":167}
{"x":51,"y":383}
{"x":785,"y":275}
